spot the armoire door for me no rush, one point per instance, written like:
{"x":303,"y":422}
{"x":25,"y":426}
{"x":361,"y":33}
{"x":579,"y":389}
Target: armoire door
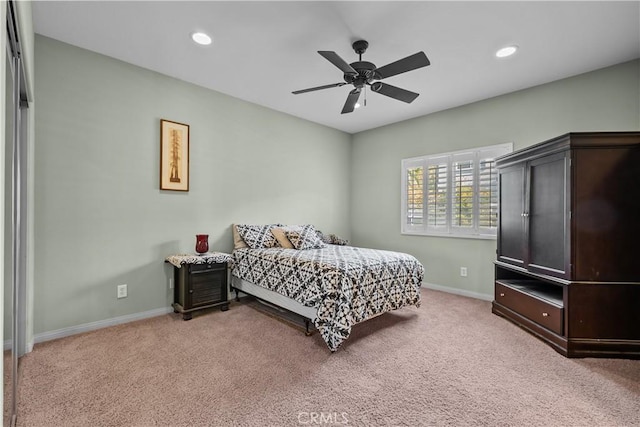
{"x":511,"y":227}
{"x":548,"y":216}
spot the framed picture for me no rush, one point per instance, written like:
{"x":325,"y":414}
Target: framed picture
{"x":174,"y":156}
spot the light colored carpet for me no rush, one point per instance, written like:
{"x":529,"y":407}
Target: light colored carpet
{"x":450,"y":362}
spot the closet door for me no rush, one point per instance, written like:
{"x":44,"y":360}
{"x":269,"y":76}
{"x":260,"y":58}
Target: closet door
{"x":548,"y":216}
{"x":15,"y":218}
{"x":511,"y":221}
{"x":8,"y":289}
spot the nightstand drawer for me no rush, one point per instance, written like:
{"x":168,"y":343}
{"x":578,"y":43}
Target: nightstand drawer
{"x":540,"y":311}
{"x":195,"y":268}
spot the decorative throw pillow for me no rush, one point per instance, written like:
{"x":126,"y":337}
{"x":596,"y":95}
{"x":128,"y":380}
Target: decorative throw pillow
{"x":281,"y":238}
{"x":332,"y":239}
{"x":257,"y":236}
{"x":304,"y":237}
{"x":335,"y":240}
{"x":321,"y":236}
{"x":238,"y":243}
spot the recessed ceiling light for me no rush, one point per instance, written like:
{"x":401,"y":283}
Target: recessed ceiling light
{"x":201,"y":38}
{"x":506,"y":51}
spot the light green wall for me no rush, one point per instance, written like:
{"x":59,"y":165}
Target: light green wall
{"x":603,"y":100}
{"x":100,"y":218}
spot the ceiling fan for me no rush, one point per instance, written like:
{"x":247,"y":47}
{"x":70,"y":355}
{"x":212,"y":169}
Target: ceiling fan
{"x":361,"y":73}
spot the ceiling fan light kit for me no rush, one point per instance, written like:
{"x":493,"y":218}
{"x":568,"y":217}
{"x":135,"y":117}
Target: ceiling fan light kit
{"x":363,"y":73}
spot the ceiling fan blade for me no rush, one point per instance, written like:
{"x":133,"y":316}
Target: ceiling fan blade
{"x":311,"y":89}
{"x":351,"y":101}
{"x":335,"y":59}
{"x":394,"y":92}
{"x":417,"y":60}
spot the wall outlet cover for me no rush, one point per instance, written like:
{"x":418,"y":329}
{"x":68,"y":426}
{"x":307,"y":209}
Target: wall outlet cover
{"x":122,"y":291}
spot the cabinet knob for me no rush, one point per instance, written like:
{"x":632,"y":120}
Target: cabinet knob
{"x":501,"y":294}
{"x":190,"y":291}
{"x":545,"y":314}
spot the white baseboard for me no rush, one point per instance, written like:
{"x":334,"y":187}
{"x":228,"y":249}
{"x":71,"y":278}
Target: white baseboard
{"x":92,"y":326}
{"x":476,"y":295}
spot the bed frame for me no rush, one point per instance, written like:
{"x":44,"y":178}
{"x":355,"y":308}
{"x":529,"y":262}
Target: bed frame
{"x":274,"y":300}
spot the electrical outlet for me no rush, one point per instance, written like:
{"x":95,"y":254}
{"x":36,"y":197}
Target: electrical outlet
{"x":122,"y":291}
{"x":463,"y":271}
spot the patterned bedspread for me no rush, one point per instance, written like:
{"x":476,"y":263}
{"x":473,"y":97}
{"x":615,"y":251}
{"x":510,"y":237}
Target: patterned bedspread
{"x":347,"y":284}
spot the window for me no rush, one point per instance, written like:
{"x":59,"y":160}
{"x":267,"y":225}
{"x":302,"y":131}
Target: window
{"x":452,"y":194}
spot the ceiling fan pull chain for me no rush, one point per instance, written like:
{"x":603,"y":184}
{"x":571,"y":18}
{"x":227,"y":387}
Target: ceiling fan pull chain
{"x":365,"y":96}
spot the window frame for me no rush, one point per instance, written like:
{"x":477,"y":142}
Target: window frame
{"x":477,"y":156}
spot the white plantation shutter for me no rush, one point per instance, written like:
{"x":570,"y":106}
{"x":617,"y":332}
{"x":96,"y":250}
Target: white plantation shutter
{"x":452,"y":194}
{"x":413,"y":171}
{"x":488,"y":188}
{"x":462,"y":203}
{"x":437,"y":194}
{"x":415,"y":192}
{"x":488,"y":194}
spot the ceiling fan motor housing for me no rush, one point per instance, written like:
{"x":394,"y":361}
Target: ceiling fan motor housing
{"x":366,"y":73}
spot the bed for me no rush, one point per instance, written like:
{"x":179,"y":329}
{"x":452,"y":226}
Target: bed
{"x":333,"y":286}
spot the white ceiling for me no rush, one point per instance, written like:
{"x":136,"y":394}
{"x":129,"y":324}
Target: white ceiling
{"x":262,"y":51}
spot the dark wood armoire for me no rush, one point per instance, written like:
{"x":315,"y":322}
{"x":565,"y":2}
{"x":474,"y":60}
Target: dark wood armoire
{"x":568,"y":262}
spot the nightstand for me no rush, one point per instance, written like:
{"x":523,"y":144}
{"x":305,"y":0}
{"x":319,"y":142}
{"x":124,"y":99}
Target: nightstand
{"x":200,"y":281}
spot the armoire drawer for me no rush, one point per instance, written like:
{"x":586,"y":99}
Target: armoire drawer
{"x":530,"y":306}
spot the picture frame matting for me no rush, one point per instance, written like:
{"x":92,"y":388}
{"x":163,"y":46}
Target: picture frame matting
{"x":174,"y":156}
